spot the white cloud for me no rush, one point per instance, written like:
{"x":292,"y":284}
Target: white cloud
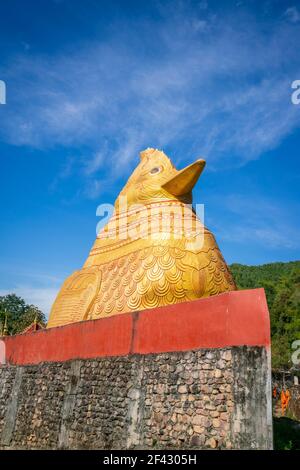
{"x":93,"y":164}
{"x":34,"y":286}
{"x":292,"y":14}
{"x":207,"y":85}
{"x":41,"y":297}
{"x":258,"y":221}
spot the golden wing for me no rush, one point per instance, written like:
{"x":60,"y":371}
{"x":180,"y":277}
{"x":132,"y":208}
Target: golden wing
{"x":159,"y":279}
{"x":147,"y":278}
{"x":159,"y":275}
{"x":210,"y":273}
{"x":75,"y":297}
{"x":217,"y":275}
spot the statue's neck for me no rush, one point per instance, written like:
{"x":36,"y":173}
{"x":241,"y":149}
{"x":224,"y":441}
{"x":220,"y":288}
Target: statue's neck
{"x":140,"y":219}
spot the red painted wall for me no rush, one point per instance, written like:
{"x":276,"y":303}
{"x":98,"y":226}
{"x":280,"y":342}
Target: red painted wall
{"x":231,"y":319}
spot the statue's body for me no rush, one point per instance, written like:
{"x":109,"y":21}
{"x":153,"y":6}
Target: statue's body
{"x":146,"y":257}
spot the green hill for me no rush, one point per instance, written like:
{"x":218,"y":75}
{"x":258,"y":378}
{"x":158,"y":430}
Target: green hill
{"x":281,"y":282}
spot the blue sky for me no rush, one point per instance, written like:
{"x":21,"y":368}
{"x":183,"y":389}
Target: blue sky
{"x":91,"y":83}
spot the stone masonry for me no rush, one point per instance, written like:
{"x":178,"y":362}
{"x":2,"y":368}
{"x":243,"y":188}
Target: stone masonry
{"x":203,"y":399}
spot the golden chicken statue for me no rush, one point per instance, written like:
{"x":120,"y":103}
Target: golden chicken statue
{"x":154,"y":250}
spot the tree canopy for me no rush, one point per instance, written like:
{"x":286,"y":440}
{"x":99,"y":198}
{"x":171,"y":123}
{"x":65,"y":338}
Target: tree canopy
{"x":281,"y":282}
{"x":19,"y":314}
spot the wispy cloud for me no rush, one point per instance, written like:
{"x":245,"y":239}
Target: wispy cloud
{"x":292,"y":14}
{"x":258,"y":220}
{"x":43,"y":298}
{"x":207,"y":85}
{"x":34,"y":286}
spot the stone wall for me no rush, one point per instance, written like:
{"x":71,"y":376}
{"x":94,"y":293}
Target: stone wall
{"x":206,"y":398}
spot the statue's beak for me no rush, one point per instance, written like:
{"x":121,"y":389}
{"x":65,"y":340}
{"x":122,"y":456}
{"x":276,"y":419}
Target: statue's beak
{"x":184,"y":181}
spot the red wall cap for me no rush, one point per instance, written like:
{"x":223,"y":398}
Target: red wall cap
{"x":231,"y":319}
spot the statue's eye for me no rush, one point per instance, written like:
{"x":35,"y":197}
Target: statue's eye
{"x":155,"y":170}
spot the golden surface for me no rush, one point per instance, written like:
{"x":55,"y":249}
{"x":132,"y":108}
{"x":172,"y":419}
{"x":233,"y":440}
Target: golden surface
{"x":153,"y":251}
